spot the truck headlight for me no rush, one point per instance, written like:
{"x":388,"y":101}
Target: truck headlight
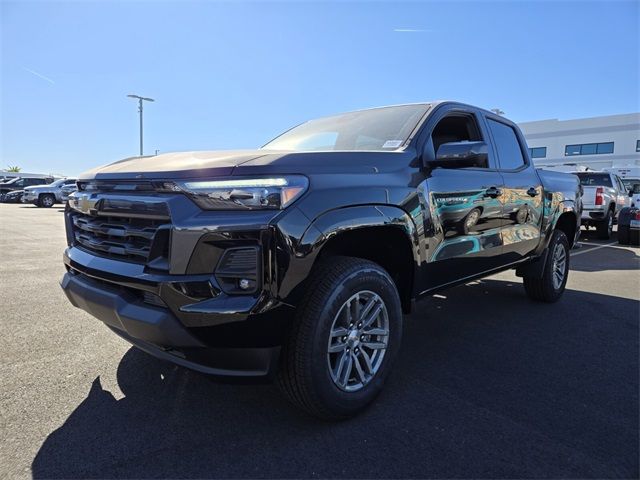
{"x":243,"y":193}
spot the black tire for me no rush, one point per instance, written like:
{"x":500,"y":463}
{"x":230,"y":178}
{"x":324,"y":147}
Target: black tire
{"x":543,"y":289}
{"x":623,"y":235}
{"x":46,"y":200}
{"x":304,"y":375}
{"x":605,"y":226}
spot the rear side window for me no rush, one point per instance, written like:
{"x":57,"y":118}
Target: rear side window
{"x":595,"y":179}
{"x":509,"y":151}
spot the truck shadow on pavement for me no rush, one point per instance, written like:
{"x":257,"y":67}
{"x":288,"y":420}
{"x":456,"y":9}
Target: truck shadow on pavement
{"x":488,"y":384}
{"x":617,"y":259}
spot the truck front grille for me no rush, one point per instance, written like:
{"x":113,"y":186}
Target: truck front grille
{"x":132,"y":239}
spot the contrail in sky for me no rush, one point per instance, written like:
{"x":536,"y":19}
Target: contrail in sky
{"x":39,"y":75}
{"x":411,"y":30}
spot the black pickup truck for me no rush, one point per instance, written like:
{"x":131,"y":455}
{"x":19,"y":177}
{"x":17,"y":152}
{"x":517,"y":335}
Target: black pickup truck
{"x":296,"y":261}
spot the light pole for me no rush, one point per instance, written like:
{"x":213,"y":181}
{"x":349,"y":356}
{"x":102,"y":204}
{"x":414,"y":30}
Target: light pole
{"x":140,"y":100}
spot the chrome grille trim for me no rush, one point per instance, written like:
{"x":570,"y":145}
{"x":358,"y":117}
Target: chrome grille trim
{"x":116,"y":229}
{"x":130,"y":239}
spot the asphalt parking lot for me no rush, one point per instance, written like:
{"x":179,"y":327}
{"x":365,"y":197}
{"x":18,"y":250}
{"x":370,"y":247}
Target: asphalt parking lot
{"x":488,"y":384}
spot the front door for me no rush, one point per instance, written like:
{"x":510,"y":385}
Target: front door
{"x":462,"y":209}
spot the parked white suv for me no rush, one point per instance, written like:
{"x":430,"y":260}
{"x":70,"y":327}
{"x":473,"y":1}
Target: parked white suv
{"x":46,"y":195}
{"x":604,"y":196}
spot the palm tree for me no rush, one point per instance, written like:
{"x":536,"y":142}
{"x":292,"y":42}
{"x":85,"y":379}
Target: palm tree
{"x":15,"y":169}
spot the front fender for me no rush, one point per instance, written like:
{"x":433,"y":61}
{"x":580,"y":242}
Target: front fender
{"x":337,"y":221}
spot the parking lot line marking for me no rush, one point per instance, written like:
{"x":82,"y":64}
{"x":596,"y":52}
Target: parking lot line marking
{"x":593,"y":249}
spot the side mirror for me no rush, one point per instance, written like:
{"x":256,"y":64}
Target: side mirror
{"x":460,"y":155}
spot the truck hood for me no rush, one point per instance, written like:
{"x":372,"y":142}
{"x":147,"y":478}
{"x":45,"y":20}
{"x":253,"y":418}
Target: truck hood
{"x":247,"y":162}
{"x":36,"y":187}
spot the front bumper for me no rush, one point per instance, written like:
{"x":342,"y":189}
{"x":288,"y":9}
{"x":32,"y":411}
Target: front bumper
{"x":158,"y":332}
{"x":29,"y":197}
{"x":152,"y":305}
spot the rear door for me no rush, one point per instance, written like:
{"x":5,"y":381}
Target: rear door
{"x":522,"y":195}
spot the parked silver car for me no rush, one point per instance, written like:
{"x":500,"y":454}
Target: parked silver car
{"x":67,"y":190}
{"x":604,"y":196}
{"x":46,"y":195}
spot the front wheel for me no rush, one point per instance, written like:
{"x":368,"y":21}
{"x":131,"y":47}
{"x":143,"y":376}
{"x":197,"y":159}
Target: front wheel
{"x":469,"y":221}
{"x":550,"y":287}
{"x":345,"y":337}
{"x":47,"y":200}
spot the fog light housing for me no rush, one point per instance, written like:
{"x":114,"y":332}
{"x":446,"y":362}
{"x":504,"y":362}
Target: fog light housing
{"x":238,"y":270}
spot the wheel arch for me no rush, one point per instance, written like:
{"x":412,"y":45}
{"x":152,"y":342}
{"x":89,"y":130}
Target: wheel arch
{"x":567,"y":223}
{"x":41,"y":195}
{"x":383,"y":234}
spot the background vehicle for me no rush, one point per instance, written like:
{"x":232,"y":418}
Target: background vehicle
{"x":604,"y":196}
{"x":634,"y":194}
{"x":47,"y":195}
{"x":297,"y":260}
{"x":20,"y":183}
{"x":67,"y":190}
{"x":15,"y":196}
{"x":629,"y":174}
{"x":629,"y":226}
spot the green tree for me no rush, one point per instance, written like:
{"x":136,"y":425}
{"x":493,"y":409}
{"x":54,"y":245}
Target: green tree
{"x":15,"y":169}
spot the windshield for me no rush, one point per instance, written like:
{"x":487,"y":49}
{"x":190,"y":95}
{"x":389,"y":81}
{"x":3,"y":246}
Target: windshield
{"x":58,"y":183}
{"x":382,"y":129}
{"x":13,"y":180}
{"x":595,"y":179}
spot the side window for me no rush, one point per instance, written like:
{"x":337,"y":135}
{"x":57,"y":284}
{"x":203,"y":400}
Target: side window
{"x":509,"y":151}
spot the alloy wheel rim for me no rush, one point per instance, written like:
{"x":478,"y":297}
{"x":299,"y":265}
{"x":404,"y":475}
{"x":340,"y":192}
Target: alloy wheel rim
{"x":358,"y":341}
{"x":559,"y":265}
{"x":47,"y":201}
{"x":472,"y":219}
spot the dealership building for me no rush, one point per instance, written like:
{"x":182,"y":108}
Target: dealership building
{"x":597,"y":143}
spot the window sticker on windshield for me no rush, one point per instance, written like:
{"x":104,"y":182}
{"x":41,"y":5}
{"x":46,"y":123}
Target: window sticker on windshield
{"x":392,"y":144}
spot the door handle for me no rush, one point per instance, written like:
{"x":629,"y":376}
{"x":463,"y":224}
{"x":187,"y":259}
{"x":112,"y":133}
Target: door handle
{"x":532,"y":192}
{"x":493,"y":192}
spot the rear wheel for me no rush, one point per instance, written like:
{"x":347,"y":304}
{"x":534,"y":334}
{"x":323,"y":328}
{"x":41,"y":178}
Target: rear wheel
{"x":46,"y":200}
{"x":550,"y":287}
{"x":344,"y":339}
{"x":604,"y":228}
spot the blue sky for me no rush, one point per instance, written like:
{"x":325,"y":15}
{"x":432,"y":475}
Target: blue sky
{"x":229,"y":75}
